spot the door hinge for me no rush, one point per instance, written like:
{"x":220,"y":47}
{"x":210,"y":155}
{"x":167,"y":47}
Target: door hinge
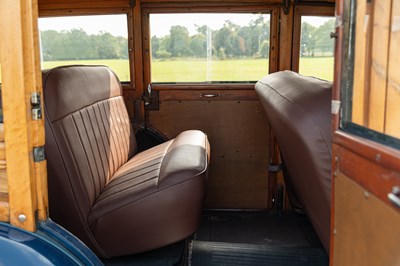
{"x":38,"y":154}
{"x":36,"y":106}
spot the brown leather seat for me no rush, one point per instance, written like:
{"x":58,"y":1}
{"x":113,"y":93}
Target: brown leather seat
{"x":299,"y":110}
{"x":116,"y":201}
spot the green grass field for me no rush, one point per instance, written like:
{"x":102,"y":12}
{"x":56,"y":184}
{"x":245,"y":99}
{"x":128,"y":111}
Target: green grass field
{"x":192,"y":70}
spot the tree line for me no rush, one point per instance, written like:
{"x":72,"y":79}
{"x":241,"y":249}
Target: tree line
{"x":230,"y":41}
{"x":76,"y":44}
{"x":316,"y":40}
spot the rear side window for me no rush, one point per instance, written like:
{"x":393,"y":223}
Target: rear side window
{"x":87,"y":40}
{"x":316,"y":47}
{"x":208,"y":48}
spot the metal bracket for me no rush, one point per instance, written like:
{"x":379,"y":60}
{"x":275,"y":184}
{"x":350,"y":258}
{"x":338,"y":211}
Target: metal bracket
{"x":132,"y":3}
{"x":335,"y":107}
{"x":274,"y":167}
{"x":38,"y":154}
{"x":151,"y":99}
{"x":36,"y":106}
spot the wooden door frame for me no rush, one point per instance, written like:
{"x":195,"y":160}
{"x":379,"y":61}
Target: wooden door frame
{"x":371,"y":165}
{"x":21,"y":76}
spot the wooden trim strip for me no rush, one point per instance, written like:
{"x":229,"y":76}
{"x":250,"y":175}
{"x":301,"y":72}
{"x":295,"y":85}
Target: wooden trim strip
{"x":373,"y":177}
{"x":208,"y":95}
{"x":81,"y":11}
{"x":380,"y":154}
{"x":89,"y":4}
{"x":205,"y":6}
{"x":162,"y":87}
{"x":4,"y":210}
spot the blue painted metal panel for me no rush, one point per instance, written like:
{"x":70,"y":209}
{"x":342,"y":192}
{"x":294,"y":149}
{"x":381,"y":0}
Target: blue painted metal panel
{"x":50,"y":245}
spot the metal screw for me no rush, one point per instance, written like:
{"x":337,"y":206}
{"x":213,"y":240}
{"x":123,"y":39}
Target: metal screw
{"x":366,"y":194}
{"x":378,"y":157}
{"x":334,"y":232}
{"x":22,"y":218}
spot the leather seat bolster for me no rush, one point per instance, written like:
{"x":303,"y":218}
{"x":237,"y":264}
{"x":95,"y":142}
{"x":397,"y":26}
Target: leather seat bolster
{"x":186,"y":158}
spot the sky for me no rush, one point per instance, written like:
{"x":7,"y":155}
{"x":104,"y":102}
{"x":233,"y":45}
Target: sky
{"x":114,"y":24}
{"x":160,"y":23}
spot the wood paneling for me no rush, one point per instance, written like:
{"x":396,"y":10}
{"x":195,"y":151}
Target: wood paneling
{"x":21,"y":76}
{"x":366,"y":230}
{"x":208,"y":95}
{"x":360,"y":59}
{"x":376,"y":89}
{"x":79,"y":4}
{"x":379,"y":54}
{"x":286,"y":38}
{"x":4,"y":206}
{"x":372,"y":165}
{"x":238,"y":133}
{"x":392,"y":125}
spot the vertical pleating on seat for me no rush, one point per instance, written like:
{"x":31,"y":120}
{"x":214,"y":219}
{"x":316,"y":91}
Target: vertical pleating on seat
{"x":116,"y":201}
{"x":100,"y":137}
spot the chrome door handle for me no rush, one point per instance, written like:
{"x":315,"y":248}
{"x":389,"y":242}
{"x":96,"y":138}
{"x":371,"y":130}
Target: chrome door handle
{"x":209,"y":95}
{"x":394,"y":196}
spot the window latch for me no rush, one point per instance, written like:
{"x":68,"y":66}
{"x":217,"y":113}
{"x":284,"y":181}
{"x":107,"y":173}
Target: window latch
{"x":150,"y":99}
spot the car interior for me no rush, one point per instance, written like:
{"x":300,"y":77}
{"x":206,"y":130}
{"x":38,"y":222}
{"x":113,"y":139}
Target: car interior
{"x":123,"y":203}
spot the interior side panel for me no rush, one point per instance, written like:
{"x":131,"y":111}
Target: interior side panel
{"x":238,"y":134}
{"x":365,"y":223}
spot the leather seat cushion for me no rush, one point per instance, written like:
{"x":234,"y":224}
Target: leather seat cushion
{"x":149,"y":193}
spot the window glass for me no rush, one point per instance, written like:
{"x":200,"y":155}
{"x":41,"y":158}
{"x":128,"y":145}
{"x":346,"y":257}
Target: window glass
{"x":316,"y":47}
{"x":218,"y":47}
{"x":88,"y":40}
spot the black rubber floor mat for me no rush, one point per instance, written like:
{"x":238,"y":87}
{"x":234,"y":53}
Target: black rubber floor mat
{"x":172,"y":255}
{"x":260,"y":228}
{"x":218,"y":253}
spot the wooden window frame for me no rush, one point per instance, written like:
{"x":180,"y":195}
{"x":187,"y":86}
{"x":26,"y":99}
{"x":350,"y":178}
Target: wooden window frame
{"x":153,"y":8}
{"x":300,"y":11}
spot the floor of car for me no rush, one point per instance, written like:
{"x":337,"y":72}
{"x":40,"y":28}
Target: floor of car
{"x":241,"y":238}
{"x":256,"y":238}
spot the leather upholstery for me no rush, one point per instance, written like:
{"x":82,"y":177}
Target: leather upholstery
{"x":298,"y":108}
{"x":116,"y":201}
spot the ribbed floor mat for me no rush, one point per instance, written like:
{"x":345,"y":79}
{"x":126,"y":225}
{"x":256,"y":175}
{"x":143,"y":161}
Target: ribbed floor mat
{"x":220,"y":253}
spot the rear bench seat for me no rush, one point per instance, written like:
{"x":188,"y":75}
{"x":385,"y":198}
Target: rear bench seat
{"x":114,"y":199}
{"x":299,"y":110}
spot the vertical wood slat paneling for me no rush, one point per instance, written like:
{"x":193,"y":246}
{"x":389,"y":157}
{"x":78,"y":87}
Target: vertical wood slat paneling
{"x":359,"y":85}
{"x":20,"y":77}
{"x":392,"y":125}
{"x":4,"y":206}
{"x":376,"y":87}
{"x":380,"y":48}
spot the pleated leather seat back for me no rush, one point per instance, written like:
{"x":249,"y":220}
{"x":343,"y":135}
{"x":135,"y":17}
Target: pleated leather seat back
{"x":88,"y":138}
